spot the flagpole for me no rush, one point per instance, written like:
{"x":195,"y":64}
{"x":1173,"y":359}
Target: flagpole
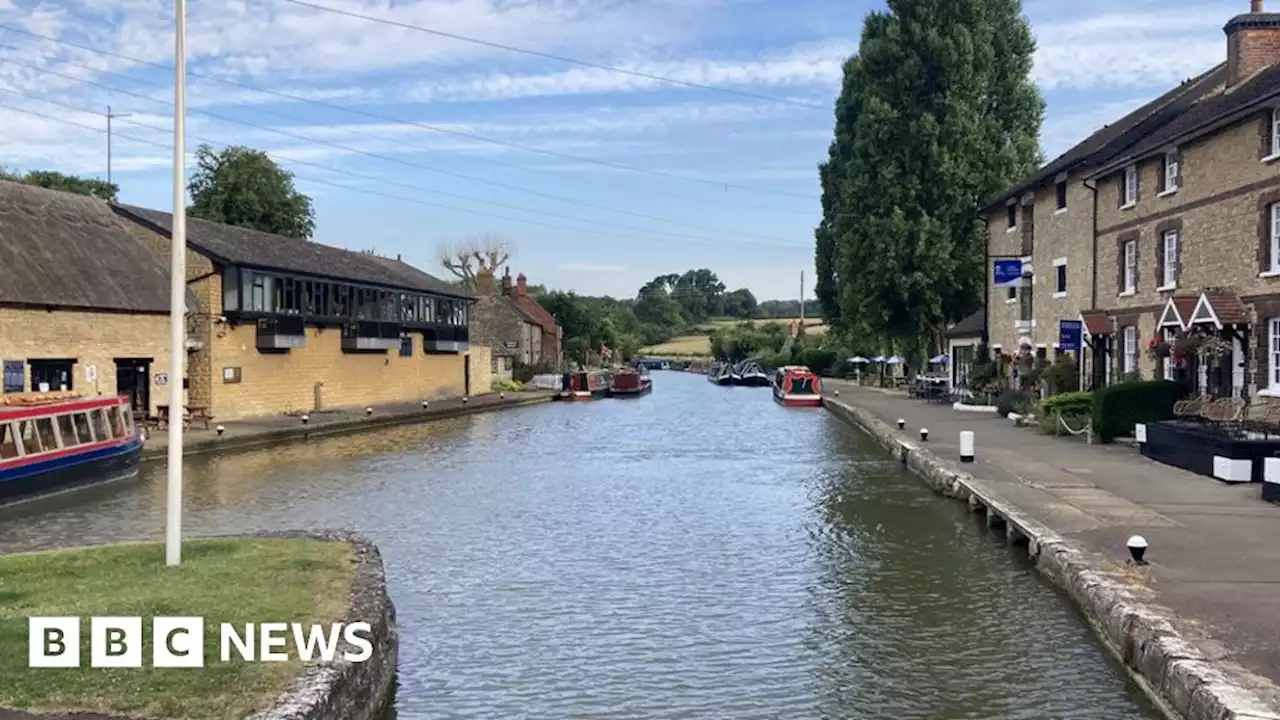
{"x":177,"y":293}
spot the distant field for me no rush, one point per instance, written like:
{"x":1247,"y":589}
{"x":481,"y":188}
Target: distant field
{"x":697,"y":342}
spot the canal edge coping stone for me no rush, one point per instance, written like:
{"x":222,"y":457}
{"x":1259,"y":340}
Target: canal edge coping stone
{"x":1181,"y":677}
{"x":339,"y":689}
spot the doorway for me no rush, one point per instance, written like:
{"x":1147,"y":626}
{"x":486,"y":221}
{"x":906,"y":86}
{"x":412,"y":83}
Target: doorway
{"x":53,"y":375}
{"x":466,"y":375}
{"x":133,"y":380}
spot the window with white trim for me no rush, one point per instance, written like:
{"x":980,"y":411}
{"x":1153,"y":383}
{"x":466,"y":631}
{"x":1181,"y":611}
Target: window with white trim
{"x":1131,"y":185}
{"x":1168,"y":336}
{"x":1131,"y":266}
{"x":1130,"y":349}
{"x":1062,"y":195}
{"x":1013,"y":216}
{"x":1171,"y":171}
{"x":1170,"y":241}
{"x":1060,"y":278}
{"x":1275,"y":236}
{"x":1274,"y":326}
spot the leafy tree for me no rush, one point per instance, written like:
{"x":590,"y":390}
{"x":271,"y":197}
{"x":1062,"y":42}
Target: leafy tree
{"x":54,"y":180}
{"x":245,"y":187}
{"x":739,"y":304}
{"x":937,"y":114}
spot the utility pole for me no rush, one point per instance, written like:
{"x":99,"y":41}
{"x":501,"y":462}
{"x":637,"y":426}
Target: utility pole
{"x":111,"y":116}
{"x":801,"y":298}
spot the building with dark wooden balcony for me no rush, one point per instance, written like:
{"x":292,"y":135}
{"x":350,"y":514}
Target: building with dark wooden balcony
{"x":290,"y":325}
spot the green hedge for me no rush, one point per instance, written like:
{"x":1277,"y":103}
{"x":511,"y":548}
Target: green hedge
{"x":1117,"y":408}
{"x":1075,"y":408}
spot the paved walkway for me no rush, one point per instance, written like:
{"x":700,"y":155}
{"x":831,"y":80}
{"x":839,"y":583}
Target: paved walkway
{"x":242,"y":433}
{"x":1214,"y":548}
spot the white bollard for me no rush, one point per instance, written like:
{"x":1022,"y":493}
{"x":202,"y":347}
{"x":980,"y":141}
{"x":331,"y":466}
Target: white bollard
{"x":902,"y":424}
{"x":837,"y":393}
{"x":924,"y":434}
{"x":966,"y":446}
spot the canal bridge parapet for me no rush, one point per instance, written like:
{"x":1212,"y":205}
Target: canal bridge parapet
{"x":1187,"y":677}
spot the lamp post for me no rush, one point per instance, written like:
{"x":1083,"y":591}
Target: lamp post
{"x":177,"y":290}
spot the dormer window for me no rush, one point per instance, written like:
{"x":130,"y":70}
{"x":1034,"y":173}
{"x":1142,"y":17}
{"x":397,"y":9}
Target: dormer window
{"x":1130,"y":181}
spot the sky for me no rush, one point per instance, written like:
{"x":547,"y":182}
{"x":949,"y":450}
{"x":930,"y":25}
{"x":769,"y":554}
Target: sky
{"x":595,"y":180}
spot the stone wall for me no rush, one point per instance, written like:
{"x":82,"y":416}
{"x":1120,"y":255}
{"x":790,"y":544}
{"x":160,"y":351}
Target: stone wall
{"x":1178,"y":674}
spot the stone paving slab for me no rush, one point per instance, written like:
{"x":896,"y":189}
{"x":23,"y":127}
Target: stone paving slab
{"x":1214,"y":548}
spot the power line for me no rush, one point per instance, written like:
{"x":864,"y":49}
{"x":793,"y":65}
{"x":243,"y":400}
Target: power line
{"x":558,"y":58}
{"x":425,"y":126}
{"x":589,"y":231}
{"x":386,"y":158}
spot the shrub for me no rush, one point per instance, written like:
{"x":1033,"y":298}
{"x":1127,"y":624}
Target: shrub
{"x":1012,"y":401}
{"x":1075,"y":408}
{"x":1116,"y":408}
{"x":1063,"y":376}
{"x":505,"y":386}
{"x":522,"y":373}
{"x":819,"y":360}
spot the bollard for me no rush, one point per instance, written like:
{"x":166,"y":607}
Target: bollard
{"x":1137,"y":548}
{"x":368,"y":411}
{"x":502,"y":396}
{"x":924,"y":434}
{"x":837,"y":393}
{"x":424,"y":404}
{"x":902,"y":424}
{"x":306,"y":419}
{"x":966,"y":446}
{"x":220,"y":430}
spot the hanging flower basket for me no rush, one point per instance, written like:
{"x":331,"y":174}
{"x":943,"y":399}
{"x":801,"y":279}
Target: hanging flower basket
{"x":1158,"y":348}
{"x":1214,"y":347}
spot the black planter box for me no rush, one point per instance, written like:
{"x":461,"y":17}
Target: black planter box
{"x":1192,"y":447}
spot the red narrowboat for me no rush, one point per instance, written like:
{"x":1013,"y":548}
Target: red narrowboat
{"x":796,"y":385}
{"x":585,"y":385}
{"x":631,"y":382}
{"x":54,"y":441}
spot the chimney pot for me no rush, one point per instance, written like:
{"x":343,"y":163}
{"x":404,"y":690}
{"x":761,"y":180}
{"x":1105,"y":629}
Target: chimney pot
{"x":484,"y":282}
{"x":1255,"y":6}
{"x":506,"y":282}
{"x":522,"y":284}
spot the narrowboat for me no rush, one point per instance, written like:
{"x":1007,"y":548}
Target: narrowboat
{"x":630,"y":382}
{"x":720,"y":373}
{"x":585,"y":385}
{"x":751,"y":374}
{"x":796,"y":385}
{"x":56,"y":441}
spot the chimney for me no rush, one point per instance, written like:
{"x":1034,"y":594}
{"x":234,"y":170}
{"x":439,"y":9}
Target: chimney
{"x":1253,"y":42}
{"x":484,"y":282}
{"x":506,"y":282}
{"x":522,"y":285}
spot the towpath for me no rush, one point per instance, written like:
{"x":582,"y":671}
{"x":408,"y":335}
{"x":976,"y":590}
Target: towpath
{"x":1214,"y":549}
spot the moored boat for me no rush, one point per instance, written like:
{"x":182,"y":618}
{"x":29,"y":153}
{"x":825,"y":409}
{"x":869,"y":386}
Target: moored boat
{"x":720,"y":373}
{"x":585,"y":385}
{"x":796,"y":385}
{"x":631,"y":382}
{"x":751,"y":374}
{"x":55,"y":441}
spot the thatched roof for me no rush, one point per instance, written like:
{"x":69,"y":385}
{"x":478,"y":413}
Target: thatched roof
{"x":66,"y":250}
{"x":232,"y":245}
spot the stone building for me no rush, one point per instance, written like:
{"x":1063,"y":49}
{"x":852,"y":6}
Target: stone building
{"x":83,"y":305}
{"x":552,"y":333}
{"x":288,"y":325}
{"x":501,"y":324}
{"x":1172,"y":217}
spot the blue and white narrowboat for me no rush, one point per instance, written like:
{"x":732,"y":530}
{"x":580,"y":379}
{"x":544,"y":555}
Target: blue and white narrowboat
{"x":52,"y":442}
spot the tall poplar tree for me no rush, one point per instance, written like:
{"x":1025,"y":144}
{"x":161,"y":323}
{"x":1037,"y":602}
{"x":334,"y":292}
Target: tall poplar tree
{"x":937,"y":114}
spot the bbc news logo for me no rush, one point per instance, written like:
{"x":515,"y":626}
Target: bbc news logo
{"x":178,"y":642}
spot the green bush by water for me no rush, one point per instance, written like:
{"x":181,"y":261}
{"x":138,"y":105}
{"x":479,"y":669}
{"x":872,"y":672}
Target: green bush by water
{"x":1116,"y":408}
{"x":1075,"y":408}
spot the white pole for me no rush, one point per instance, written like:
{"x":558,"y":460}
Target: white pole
{"x":177,"y":293}
{"x":802,"y":299}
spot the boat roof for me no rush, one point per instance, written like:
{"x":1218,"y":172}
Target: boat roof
{"x":15,"y":407}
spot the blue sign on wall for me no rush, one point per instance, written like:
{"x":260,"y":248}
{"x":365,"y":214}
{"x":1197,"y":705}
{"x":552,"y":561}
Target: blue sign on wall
{"x":1008,"y":273}
{"x":1069,"y":334}
{"x":13,"y":376}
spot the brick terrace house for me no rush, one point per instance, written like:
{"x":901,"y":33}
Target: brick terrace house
{"x":507,"y":329}
{"x":1178,"y":229}
{"x":83,"y":305}
{"x":288,"y":325}
{"x":552,"y":333}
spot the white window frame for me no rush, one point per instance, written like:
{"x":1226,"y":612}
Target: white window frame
{"x":1130,"y":186}
{"x":1169,"y":246}
{"x":1275,"y":237}
{"x":1273,"y":339}
{"x":1059,"y":263}
{"x":1130,"y":349}
{"x":1014,"y":207}
{"x":1131,"y":267}
{"x":1171,"y":165}
{"x":1169,"y":337}
{"x":1066,"y":197}
{"x":1275,"y":135}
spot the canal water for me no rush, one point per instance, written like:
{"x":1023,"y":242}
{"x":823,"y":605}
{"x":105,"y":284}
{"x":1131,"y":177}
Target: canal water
{"x":697,"y":553}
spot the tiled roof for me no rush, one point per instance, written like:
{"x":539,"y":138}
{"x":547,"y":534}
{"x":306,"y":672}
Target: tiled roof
{"x":1179,"y":310}
{"x":1207,"y":114}
{"x":971,"y":326}
{"x":1117,"y":137}
{"x":1226,"y":306}
{"x":1097,"y":323}
{"x":68,"y":250}
{"x":243,"y":246}
{"x":515,"y":306}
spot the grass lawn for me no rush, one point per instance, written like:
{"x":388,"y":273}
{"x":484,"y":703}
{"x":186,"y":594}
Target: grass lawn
{"x":698,"y":342}
{"x":237,"y":580}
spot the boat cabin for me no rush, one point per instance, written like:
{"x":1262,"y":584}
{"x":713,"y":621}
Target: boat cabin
{"x":62,"y":426}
